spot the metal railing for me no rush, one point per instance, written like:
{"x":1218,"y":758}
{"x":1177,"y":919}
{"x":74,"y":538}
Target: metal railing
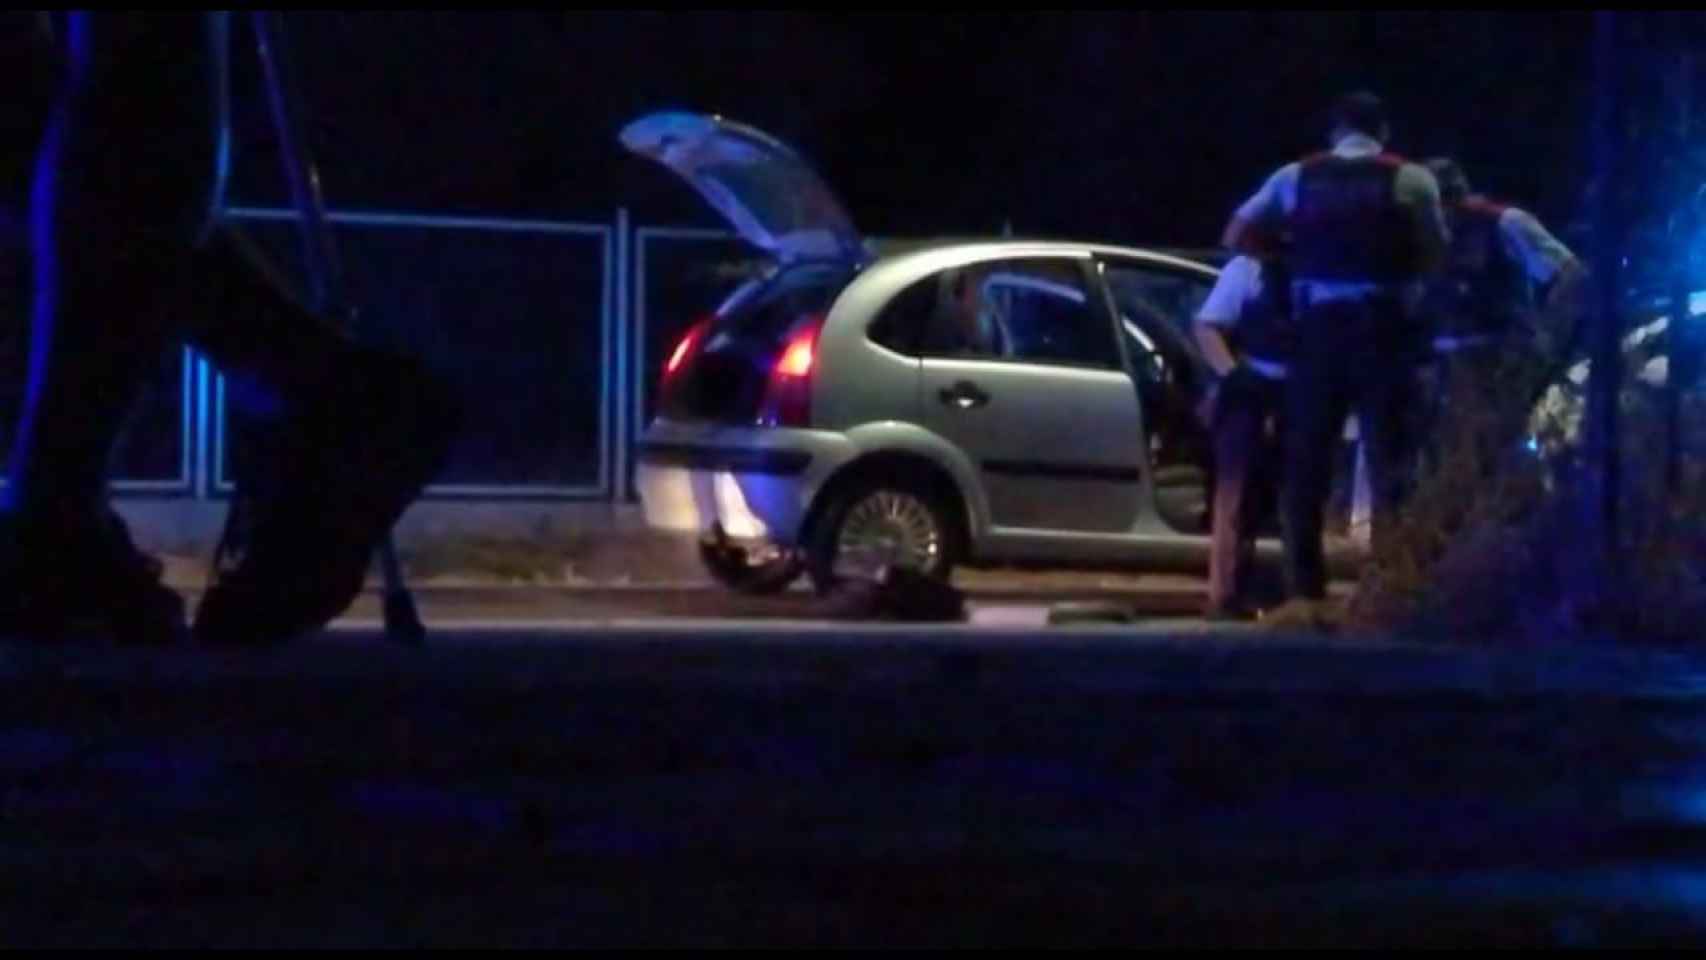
{"x":611,"y":244}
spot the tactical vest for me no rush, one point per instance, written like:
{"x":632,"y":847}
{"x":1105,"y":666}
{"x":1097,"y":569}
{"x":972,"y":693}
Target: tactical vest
{"x":1483,"y":290}
{"x":1347,"y":225}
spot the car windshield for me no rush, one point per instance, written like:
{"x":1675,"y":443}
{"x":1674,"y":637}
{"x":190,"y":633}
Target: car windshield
{"x":768,"y":310}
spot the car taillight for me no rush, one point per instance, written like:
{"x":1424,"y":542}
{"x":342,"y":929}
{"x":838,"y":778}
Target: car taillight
{"x":797,"y":358}
{"x":684,"y":349}
{"x":788,"y":396}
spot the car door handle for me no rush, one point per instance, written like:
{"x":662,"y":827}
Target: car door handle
{"x":963,"y":395}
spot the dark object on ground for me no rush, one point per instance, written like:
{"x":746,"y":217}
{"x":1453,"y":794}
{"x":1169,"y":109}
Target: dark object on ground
{"x":332,"y":493}
{"x":734,"y":567}
{"x":896,"y":594}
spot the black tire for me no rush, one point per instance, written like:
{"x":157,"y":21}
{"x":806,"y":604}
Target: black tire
{"x":729,"y":566}
{"x":825,"y":536}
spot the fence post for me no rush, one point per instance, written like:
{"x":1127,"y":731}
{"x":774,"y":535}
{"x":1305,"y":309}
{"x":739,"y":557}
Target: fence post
{"x":1604,"y":480}
{"x":624,"y":374}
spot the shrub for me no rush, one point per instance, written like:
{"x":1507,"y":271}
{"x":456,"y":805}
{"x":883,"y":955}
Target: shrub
{"x":1491,"y":547}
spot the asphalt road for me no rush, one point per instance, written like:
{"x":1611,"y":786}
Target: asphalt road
{"x":774,"y":784}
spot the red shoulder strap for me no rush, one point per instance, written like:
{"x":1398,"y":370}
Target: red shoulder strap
{"x":1384,"y":159}
{"x":1481,"y":206}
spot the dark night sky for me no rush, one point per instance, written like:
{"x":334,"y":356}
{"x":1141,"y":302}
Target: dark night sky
{"x":1139,"y":127}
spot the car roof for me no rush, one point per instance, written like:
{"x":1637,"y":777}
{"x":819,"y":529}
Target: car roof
{"x":901,"y":254}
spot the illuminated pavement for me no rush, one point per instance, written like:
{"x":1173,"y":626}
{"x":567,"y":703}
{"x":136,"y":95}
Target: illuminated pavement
{"x":703,"y":783}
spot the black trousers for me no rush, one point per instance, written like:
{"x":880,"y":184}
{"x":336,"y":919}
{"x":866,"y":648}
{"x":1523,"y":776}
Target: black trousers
{"x":1248,"y":414}
{"x":1354,"y":355}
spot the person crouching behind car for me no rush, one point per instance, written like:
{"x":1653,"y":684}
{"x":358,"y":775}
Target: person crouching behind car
{"x":1245,"y":330}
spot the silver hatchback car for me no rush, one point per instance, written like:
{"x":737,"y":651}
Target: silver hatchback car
{"x":977,"y":403}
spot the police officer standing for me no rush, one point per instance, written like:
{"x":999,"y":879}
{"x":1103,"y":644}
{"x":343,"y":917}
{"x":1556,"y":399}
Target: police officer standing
{"x":1245,"y":330}
{"x":1484,"y":302}
{"x":1366,"y":226}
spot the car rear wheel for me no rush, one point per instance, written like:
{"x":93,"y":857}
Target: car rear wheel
{"x":754,"y":571}
{"x":872,"y":525}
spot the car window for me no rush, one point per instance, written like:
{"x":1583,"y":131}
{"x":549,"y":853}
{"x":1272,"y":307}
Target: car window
{"x":1158,"y":296}
{"x":1020,"y":311}
{"x":1156,"y":308}
{"x":729,"y":372}
{"x":904,"y":321}
{"x":767,"y":309}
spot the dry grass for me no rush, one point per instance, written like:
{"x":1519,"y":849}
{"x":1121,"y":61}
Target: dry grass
{"x":507,"y":559}
{"x":551,"y":556}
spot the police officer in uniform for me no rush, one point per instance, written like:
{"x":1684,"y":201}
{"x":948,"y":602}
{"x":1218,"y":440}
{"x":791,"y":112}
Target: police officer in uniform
{"x":1246,"y":332}
{"x":1485,"y":302}
{"x":127,"y":259}
{"x":1366,"y":226}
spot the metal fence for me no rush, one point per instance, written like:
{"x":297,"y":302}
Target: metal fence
{"x":519,"y":315}
{"x":156,"y":452}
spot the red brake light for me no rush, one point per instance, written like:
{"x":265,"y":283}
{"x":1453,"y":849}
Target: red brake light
{"x":685,"y":347}
{"x":680,"y":352}
{"x":788,"y":400}
{"x":797,"y":358}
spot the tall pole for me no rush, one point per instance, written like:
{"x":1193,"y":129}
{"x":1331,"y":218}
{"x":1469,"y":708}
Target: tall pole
{"x":1610,"y":219}
{"x":1680,"y":329}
